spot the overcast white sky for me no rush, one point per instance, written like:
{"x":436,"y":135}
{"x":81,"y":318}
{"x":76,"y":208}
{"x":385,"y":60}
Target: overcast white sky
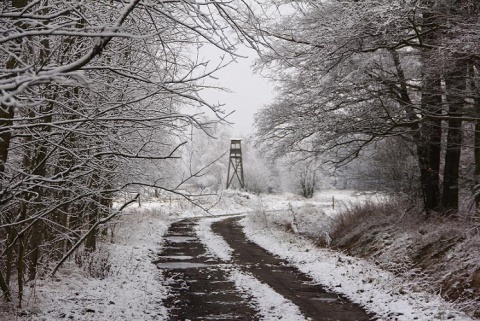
{"x":249,"y":91}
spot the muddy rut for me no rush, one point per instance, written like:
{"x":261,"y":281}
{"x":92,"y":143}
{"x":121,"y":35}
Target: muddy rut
{"x":200,"y":289}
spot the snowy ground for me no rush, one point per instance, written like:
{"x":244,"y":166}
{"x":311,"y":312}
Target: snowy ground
{"x":377,"y":291}
{"x":132,"y":288}
{"x":271,"y":305}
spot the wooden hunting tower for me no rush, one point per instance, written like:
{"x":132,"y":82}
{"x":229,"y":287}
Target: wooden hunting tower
{"x":235,"y":165}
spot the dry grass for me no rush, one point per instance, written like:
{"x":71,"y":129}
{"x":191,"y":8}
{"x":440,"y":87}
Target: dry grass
{"x":438,"y":254}
{"x":96,"y":264}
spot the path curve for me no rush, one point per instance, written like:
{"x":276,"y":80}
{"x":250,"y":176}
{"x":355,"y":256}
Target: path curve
{"x":200,"y":287}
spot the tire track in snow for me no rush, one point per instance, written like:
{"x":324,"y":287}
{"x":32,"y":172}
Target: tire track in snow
{"x":270,"y":304}
{"x":313,"y":300}
{"x":198,"y":285}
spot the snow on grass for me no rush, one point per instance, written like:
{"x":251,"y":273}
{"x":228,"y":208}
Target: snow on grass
{"x":271,"y":305}
{"x":330,"y":201}
{"x":130,"y":290}
{"x":225,"y":202}
{"x":378,"y":291}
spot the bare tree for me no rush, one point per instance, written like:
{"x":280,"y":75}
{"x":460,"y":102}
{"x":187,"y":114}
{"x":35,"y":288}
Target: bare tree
{"x":354,"y":73}
{"x":87,"y":89}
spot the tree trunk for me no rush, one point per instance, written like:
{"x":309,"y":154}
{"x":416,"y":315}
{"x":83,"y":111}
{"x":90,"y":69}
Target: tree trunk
{"x":476,"y":89}
{"x":455,"y":81}
{"x":5,"y":288}
{"x":7,"y":112}
{"x":92,"y":217}
{"x":6,"y":116}
{"x":34,"y":246}
{"x":39,"y":168}
{"x":429,"y":145}
{"x":9,"y":253}
{"x":39,"y":163}
{"x":21,"y":255}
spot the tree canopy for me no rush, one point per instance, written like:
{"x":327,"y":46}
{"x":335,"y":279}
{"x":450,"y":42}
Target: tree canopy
{"x":91,"y":93}
{"x":352,"y":73}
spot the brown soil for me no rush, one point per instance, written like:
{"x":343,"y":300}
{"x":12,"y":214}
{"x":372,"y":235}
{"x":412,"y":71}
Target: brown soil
{"x":199,"y":289}
{"x":203,"y":293}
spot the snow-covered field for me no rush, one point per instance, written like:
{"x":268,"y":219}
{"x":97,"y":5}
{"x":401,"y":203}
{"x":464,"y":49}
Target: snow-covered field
{"x":132,"y":288}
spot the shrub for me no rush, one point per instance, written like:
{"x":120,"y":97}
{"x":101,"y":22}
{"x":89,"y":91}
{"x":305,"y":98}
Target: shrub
{"x":96,"y":264}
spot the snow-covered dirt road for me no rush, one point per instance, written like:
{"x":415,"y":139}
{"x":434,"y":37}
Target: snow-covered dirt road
{"x":217,"y":274}
{"x":202,"y":275}
{"x":199,"y":288}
